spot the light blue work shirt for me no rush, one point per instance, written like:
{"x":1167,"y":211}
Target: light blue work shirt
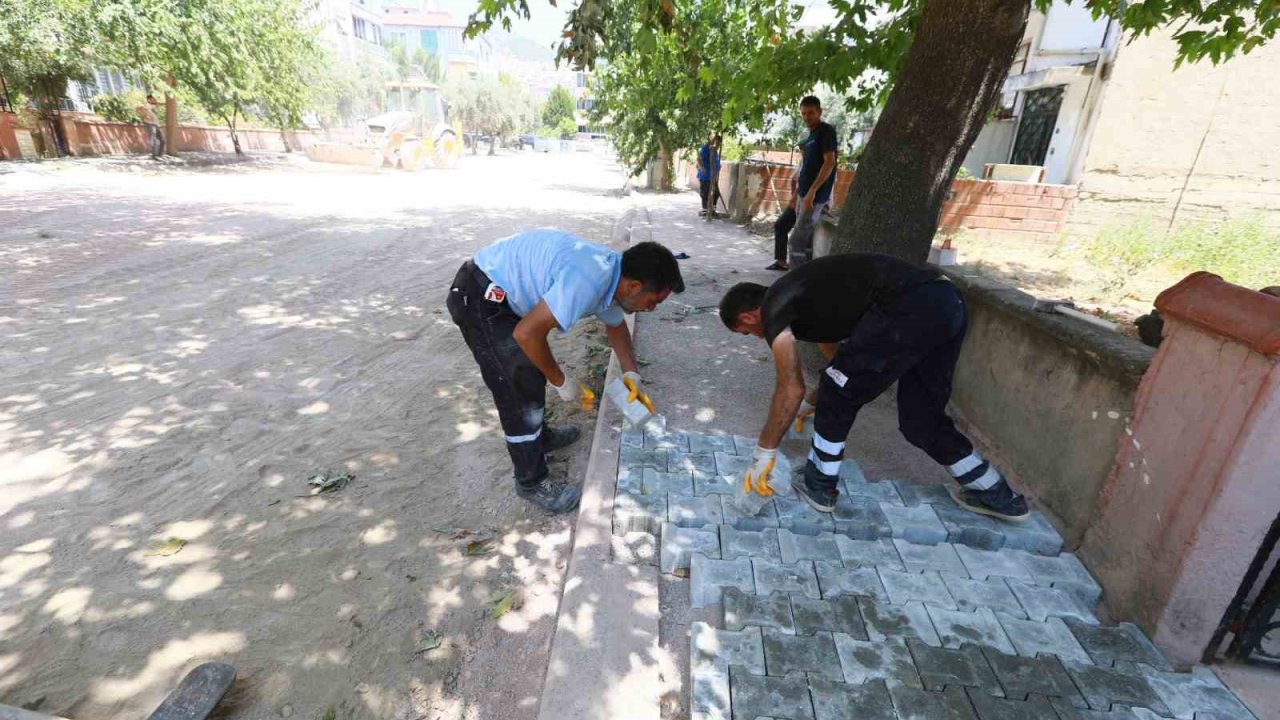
{"x":574,"y":277}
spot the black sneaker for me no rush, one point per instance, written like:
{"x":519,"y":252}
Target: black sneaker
{"x":822,"y":501}
{"x":554,"y":497}
{"x":998,"y":501}
{"x":559,"y":438}
{"x":777,"y":265}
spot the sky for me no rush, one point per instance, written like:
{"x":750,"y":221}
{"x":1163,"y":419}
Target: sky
{"x":544,"y":25}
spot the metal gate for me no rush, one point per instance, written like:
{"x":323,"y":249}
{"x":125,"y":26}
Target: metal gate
{"x":1253,"y":618}
{"x":1039,"y":116}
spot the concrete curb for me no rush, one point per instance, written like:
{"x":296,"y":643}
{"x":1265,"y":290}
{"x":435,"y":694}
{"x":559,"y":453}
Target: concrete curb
{"x":605,"y":661}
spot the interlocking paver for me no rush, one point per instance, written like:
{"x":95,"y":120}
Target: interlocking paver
{"x":1120,"y":713}
{"x":679,"y":544}
{"x":918,"y":524}
{"x":769,"y":697}
{"x":1052,"y":637}
{"x":980,"y":627}
{"x":967,"y":528}
{"x":702,"y":443}
{"x":796,"y":515}
{"x":841,"y":701}
{"x":914,"y":493}
{"x":1103,"y":687}
{"x":631,"y":480}
{"x":633,"y":512}
{"x":795,"y":547}
{"x":941,"y":557}
{"x":1024,"y":676}
{"x":993,"y":708}
{"x":913,"y":704}
{"x":838,"y":614}
{"x":1198,"y":694}
{"x":762,"y":544}
{"x":710,"y":696}
{"x":880,"y":553}
{"x":881,"y":492}
{"x":707,"y":577}
{"x":711,"y":484}
{"x":731,"y":464}
{"x":814,"y":654}
{"x":1064,"y":571}
{"x":671,"y":483}
{"x":942,"y":668}
{"x":689,"y":462}
{"x":657,"y":437}
{"x":860,"y":518}
{"x":973,"y":594}
{"x":744,"y":445}
{"x":851,"y":472}
{"x":987,"y":564}
{"x":767,"y":517}
{"x":927,"y":587}
{"x":888,"y":660}
{"x":634,"y":548}
{"x":741,"y":610}
{"x":836,"y":579}
{"x":1042,"y":603}
{"x":632,"y":438}
{"x":694,"y":512}
{"x":1125,"y":643}
{"x":1035,"y":534}
{"x":897,"y":621}
{"x":789,"y":578}
{"x":632,"y":457}
{"x":712,"y":649}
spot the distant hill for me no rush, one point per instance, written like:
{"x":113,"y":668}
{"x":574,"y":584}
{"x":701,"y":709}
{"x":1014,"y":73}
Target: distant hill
{"x":521,"y":47}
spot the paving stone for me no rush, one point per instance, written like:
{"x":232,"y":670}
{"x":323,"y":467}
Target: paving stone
{"x":744,"y":445}
{"x":679,"y":544}
{"x":1198,"y":694}
{"x":1066,"y":572}
{"x":1066,"y":712}
{"x":836,"y":579}
{"x":635,"y":512}
{"x":695,"y":512}
{"x":632,"y":457}
{"x":672,"y":483}
{"x":709,"y":696}
{"x":707,"y":577}
{"x":840,"y":701}
{"x":731,"y":464}
{"x":767,"y":517}
{"x":897,"y":621}
{"x":774,"y":610}
{"x":1035,"y":534}
{"x":913,"y":704}
{"x":881,"y":492}
{"x":657,"y":437}
{"x":1024,"y":676}
{"x":973,"y":594}
{"x":631,"y":480}
{"x":941,"y":557}
{"x":866,"y":661}
{"x":634,"y":548}
{"x":926,"y":587}
{"x":1103,"y":687}
{"x":1052,"y":637}
{"x":880,"y":553}
{"x":993,"y":708}
{"x":988,"y":564}
{"x":711,"y":649}
{"x":811,"y":654}
{"x":769,"y":697}
{"x":917,"y":524}
{"x":632,"y":438}
{"x":1125,"y":643}
{"x":971,"y":529}
{"x":851,"y":472}
{"x":914,"y":493}
{"x":942,"y":668}
{"x":702,"y":443}
{"x":711,"y":484}
{"x":688,"y":462}
{"x":786,"y":577}
{"x":980,"y":627}
{"x":798,"y":516}
{"x":1042,"y":603}
{"x":807,"y":547}
{"x":838,"y":614}
{"x":762,"y":544}
{"x":860,"y":518}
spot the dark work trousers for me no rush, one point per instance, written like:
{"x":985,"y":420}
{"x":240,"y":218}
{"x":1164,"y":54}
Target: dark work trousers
{"x":519,"y":388}
{"x":704,"y":189}
{"x":781,"y":231}
{"x":914,"y":340}
{"x":793,"y":230}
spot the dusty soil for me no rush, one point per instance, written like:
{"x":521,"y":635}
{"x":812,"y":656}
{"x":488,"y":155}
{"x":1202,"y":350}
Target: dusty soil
{"x":181,"y":349}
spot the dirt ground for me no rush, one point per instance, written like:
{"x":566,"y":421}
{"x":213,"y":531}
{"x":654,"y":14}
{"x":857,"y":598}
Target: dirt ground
{"x":181,"y":349}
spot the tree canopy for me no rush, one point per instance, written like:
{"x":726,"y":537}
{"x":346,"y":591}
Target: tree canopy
{"x":497,"y":107}
{"x":559,"y":106}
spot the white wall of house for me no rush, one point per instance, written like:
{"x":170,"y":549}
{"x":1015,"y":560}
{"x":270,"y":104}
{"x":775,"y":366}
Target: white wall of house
{"x":992,"y":146}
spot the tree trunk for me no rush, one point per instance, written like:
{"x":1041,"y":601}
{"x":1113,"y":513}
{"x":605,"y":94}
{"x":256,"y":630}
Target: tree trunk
{"x":235,"y":139}
{"x":663,"y":169}
{"x":171,"y":120}
{"x":952,"y":74}
{"x":493,"y":142}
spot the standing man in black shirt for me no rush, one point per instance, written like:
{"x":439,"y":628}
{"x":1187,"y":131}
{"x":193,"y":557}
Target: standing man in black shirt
{"x":878,"y":320}
{"x":810,"y":191}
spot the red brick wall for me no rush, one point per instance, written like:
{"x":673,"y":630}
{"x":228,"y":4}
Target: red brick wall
{"x":8,"y":136}
{"x":99,"y":137}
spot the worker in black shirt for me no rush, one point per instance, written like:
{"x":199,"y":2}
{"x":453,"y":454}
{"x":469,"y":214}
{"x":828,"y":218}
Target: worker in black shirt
{"x":878,"y":320}
{"x":811,"y":187}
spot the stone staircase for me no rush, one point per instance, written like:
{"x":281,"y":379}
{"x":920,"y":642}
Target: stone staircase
{"x":898,"y":605}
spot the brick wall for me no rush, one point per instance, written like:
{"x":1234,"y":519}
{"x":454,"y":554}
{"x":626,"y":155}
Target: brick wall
{"x":8,"y":136}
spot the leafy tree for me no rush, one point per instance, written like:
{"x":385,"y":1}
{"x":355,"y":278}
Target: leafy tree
{"x":559,"y":105}
{"x":496,"y":107}
{"x":415,"y":64}
{"x":43,"y":44}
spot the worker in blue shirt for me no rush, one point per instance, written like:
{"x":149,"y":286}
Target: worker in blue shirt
{"x":708,"y":168}
{"x":512,"y":294}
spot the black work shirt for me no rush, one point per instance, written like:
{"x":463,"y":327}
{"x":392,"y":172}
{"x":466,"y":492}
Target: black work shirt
{"x":821,"y":140}
{"x":823,"y":300}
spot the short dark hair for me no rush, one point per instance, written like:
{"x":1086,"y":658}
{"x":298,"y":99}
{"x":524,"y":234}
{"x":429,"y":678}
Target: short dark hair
{"x":653,"y":265}
{"x":812,"y":101}
{"x":743,"y":297}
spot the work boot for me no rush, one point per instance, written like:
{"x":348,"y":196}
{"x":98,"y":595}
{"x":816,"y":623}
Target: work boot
{"x":818,"y":497}
{"x":998,"y":501}
{"x":554,"y":497}
{"x":554,"y":439}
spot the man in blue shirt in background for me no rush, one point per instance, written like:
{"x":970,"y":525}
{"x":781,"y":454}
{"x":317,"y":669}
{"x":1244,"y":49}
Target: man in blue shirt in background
{"x":811,"y":191}
{"x":708,"y":167}
{"x":512,"y":294}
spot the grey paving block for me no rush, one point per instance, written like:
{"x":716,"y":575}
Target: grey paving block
{"x":688,"y":462}
{"x":634,"y":512}
{"x":836,"y":579}
{"x":1035,"y":534}
{"x":1103,"y":687}
{"x":973,"y":594}
{"x":769,"y":697}
{"x":1042,"y":602}
{"x":1198,"y":694}
{"x":917,"y":524}
{"x":762,"y":544}
{"x":709,"y":696}
{"x":741,"y":610}
{"x":942,"y":668}
{"x":867,"y":661}
{"x":632,"y":457}
{"x":881,"y":492}
{"x":634,"y":548}
{"x":744,"y":445}
{"x":671,"y":483}
{"x":1024,"y":676}
{"x":927,"y":587}
{"x":695,"y":512}
{"x":971,"y":529}
{"x":795,"y":547}
{"x":731,"y":464}
{"x":707,"y":577}
{"x":679,"y":544}
{"x":1051,"y":637}
{"x":980,"y":627}
{"x":914,"y":493}
{"x":840,"y":701}
{"x":632,"y":438}
{"x":797,"y":515}
{"x":988,"y":564}
{"x":838,"y":614}
{"x":1064,"y":571}
{"x":657,"y":437}
{"x":1067,"y":712}
{"x":851,"y":472}
{"x":733,"y":515}
{"x":913,"y":704}
{"x":785,"y":577}
{"x":1124,"y":643}
{"x":709,"y":484}
{"x":860,"y":518}
{"x":701,"y":443}
{"x":811,"y":654}
{"x":711,"y":649}
{"x":631,"y":480}
{"x":941,"y":557}
{"x":993,"y":708}
{"x":880,"y":553}
{"x":885,"y":621}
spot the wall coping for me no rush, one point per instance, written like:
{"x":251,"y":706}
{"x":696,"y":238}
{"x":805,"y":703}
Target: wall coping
{"x":1212,"y":304}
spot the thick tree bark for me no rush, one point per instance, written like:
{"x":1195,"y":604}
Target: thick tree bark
{"x":952,"y":75}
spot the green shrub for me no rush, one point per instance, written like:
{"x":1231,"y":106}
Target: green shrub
{"x":113,"y":107}
{"x":1243,"y":251}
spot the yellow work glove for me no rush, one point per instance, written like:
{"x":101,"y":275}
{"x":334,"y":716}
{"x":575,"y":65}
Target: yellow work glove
{"x":757,"y":477}
{"x":806,"y":412}
{"x":574,"y":391}
{"x":633,"y":383}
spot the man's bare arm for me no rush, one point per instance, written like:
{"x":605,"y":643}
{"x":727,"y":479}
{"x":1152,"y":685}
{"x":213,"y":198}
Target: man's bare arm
{"x":788,"y":391}
{"x":531,"y":334}
{"x":620,"y":340}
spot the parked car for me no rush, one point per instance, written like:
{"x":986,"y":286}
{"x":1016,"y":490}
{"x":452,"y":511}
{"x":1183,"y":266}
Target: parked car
{"x":527,"y":139}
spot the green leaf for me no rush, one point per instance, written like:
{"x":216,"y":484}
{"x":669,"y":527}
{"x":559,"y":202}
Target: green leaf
{"x":478,"y":547}
{"x":165,"y":548}
{"x":505,"y":602}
